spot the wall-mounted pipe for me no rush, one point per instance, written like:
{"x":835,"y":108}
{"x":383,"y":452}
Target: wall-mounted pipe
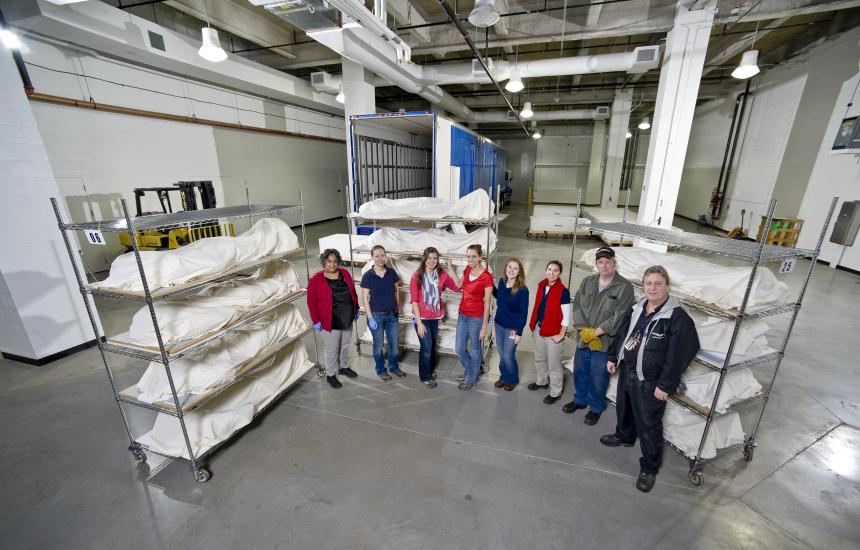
{"x":729,"y":155}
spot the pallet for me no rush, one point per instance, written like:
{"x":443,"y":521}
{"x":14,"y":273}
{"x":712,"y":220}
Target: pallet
{"x":783,"y":231}
{"x":556,"y":234}
{"x":611,"y":240}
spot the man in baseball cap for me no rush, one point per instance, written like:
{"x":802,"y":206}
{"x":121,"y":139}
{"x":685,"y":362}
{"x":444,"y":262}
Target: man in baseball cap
{"x":599,"y":308}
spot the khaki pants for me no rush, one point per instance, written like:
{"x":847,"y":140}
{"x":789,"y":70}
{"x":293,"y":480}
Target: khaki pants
{"x":548,"y":363}
{"x":336,"y":350}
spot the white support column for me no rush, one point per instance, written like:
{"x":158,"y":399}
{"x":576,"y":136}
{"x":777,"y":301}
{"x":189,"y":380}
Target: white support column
{"x":359,"y":99}
{"x":41,"y":310}
{"x":686,"y":46}
{"x":595,"y":164}
{"x":618,"y":126}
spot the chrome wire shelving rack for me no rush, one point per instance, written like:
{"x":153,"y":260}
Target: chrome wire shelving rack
{"x":450,"y":298}
{"x":179,"y":406}
{"x":749,"y":252}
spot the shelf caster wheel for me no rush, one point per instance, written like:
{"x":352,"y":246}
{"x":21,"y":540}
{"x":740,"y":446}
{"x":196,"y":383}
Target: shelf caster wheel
{"x":138,"y":455}
{"x":202,"y":475}
{"x":320,"y":371}
{"x":749,"y":451}
{"x":696,"y":477}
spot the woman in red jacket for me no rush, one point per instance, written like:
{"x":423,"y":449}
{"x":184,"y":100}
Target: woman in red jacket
{"x":549,"y":322}
{"x":333,"y":305}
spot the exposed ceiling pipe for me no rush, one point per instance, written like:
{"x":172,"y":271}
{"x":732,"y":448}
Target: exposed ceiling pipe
{"x":568,"y":114}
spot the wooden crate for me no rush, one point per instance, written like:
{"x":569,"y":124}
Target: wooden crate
{"x":783,"y":231}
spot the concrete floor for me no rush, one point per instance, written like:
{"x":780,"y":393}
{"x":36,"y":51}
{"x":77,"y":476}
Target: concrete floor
{"x":395,"y":465}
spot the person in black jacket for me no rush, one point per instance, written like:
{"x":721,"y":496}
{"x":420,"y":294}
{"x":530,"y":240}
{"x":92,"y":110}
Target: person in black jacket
{"x":660,"y":342}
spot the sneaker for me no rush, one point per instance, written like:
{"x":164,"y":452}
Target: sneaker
{"x":430,"y":383}
{"x":385,"y":377}
{"x":433,"y":375}
{"x":399,"y":374}
{"x":333,"y":382}
{"x":645,"y":482}
{"x":348,"y":372}
{"x":461,"y":378}
{"x":534,"y":386}
{"x":591,"y":418}
{"x":611,"y":440}
{"x":465,"y":385}
{"x":572,"y":407}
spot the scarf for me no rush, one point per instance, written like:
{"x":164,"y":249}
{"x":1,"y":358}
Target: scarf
{"x":430,"y":290}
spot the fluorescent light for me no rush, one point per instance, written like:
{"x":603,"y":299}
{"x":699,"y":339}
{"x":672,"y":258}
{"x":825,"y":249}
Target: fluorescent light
{"x":340,"y":97}
{"x":515,"y":84}
{"x":628,"y":135}
{"x":527,"y":110}
{"x":211,"y":49}
{"x":10,"y":39}
{"x":484,"y":14}
{"x":748,"y":67}
{"x":645,"y":124}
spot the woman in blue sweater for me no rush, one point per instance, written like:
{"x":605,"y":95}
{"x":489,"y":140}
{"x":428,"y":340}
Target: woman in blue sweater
{"x":512,"y":309}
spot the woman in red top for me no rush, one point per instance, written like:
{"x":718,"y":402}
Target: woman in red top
{"x":476,"y":284}
{"x":333,"y":305}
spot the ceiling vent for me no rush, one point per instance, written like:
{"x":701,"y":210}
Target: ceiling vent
{"x":646,"y":58}
{"x":602,"y":111}
{"x":477,"y":70}
{"x":324,"y":82}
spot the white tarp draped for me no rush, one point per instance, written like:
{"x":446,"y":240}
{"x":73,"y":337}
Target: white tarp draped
{"x":340,"y":242}
{"x":405,"y":269}
{"x":216,"y":364}
{"x":474,"y":206}
{"x":715,"y":284}
{"x":230,"y":411}
{"x":202,"y":258}
{"x":215,"y":307}
{"x":443,"y":241}
{"x":699,"y":384}
{"x":407,"y":336}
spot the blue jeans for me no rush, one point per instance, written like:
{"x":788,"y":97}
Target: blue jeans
{"x":509,"y":370}
{"x":427,"y":353}
{"x":386,"y":327}
{"x":590,"y":379}
{"x":469,"y":345}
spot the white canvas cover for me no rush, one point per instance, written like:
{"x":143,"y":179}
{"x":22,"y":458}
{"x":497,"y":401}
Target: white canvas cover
{"x":340,"y":242}
{"x":699,"y":384}
{"x":445,"y":242}
{"x":720,"y":285}
{"x":405,"y":269}
{"x":475,"y":206}
{"x":407,"y":336}
{"x":202,"y":258}
{"x":213,"y":308}
{"x":214,"y":365}
{"x":230,"y":411}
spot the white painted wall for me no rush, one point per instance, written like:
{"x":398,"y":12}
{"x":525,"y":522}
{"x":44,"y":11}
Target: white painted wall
{"x":562,"y":163}
{"x":521,"y":163}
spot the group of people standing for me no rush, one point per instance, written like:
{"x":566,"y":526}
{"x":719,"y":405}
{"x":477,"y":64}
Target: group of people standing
{"x":649,"y":342}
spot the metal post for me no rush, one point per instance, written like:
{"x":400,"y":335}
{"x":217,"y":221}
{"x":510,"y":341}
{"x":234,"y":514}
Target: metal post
{"x":573,"y":244}
{"x":812,"y":262}
{"x":195,"y":466}
{"x":133,"y":445}
{"x":307,"y":262}
{"x":738,"y":321}
{"x":626,"y":206}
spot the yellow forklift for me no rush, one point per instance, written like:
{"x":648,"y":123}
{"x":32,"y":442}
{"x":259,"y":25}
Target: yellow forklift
{"x":180,"y":236}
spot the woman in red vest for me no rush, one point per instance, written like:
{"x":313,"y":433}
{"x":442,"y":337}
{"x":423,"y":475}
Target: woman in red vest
{"x":551,"y":317}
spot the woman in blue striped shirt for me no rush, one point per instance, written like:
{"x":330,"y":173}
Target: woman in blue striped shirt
{"x":512,"y":309}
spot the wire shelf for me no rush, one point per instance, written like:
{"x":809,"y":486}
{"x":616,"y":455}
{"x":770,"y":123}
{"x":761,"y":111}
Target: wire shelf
{"x":180,"y":219}
{"x":172,"y":292}
{"x":703,"y":412}
{"x":416,"y":220}
{"x":706,"y":244}
{"x":717,"y":367}
{"x":178,"y":349}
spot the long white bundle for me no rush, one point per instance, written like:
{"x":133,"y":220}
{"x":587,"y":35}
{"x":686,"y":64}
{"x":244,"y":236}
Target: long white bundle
{"x":230,"y":411}
{"x":474,"y":206}
{"x":216,"y":364}
{"x":202,"y":258}
{"x":213,"y":308}
{"x":443,"y":241}
{"x":712,"y":283}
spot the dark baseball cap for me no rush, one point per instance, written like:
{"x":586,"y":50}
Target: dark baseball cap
{"x":604,"y":252}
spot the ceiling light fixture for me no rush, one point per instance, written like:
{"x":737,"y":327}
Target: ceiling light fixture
{"x":527,"y":110}
{"x":211,"y":49}
{"x":515,"y":84}
{"x":628,"y":135}
{"x":340,"y":97}
{"x":484,"y":14}
{"x":536,"y":135}
{"x":748,"y":66}
{"x":10,"y":39}
{"x":645,"y":124}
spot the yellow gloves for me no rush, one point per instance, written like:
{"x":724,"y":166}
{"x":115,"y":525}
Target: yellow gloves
{"x":587,"y":335}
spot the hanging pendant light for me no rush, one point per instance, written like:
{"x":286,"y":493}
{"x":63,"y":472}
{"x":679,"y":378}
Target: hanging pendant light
{"x":515,"y":83}
{"x":484,"y":14}
{"x":527,"y":110}
{"x":748,"y":66}
{"x":536,"y":134}
{"x":628,"y":135}
{"x":645,"y":124}
{"x":10,"y":39}
{"x":211,"y":49}
{"x":340,"y":97}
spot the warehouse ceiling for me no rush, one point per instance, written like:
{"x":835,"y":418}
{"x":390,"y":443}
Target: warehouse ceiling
{"x":528,"y":30}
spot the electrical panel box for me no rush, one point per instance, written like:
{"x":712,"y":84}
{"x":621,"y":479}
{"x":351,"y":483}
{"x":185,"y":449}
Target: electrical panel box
{"x":847,"y":224}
